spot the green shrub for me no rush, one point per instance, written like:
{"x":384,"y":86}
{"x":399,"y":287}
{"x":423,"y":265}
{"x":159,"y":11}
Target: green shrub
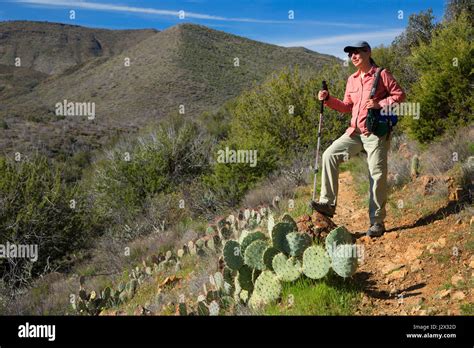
{"x":175,"y":153}
{"x":38,"y":208}
{"x":443,"y":88}
{"x":279,"y":120}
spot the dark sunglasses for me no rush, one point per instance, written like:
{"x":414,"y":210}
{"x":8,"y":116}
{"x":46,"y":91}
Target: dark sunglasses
{"x":356,"y":51}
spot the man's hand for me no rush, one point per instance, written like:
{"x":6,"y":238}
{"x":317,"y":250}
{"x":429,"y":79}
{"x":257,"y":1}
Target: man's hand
{"x":323,"y":95}
{"x":372,"y":104}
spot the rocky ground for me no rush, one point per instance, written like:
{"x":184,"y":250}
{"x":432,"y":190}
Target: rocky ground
{"x":423,"y":265}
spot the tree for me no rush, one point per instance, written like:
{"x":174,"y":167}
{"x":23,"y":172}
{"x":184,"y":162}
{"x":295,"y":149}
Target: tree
{"x":455,"y":7}
{"x":418,"y":31}
{"x":444,"y":86}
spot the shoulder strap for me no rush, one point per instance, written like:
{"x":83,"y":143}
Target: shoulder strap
{"x":376,"y":81}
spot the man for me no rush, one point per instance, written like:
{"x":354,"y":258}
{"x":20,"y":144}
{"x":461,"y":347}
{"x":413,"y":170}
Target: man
{"x":357,"y":137}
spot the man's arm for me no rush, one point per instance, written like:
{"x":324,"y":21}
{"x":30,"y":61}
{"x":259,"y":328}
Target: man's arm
{"x":395,"y":92}
{"x":341,"y":106}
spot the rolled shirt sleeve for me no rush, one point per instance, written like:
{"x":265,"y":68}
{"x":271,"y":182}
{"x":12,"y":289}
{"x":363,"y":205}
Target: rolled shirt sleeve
{"x":345,"y":105}
{"x":394,"y":91}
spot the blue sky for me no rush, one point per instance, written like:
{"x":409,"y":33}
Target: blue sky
{"x":322,"y":26}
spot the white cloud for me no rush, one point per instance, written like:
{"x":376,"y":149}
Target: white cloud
{"x":334,"y":44}
{"x":346,"y":38}
{"x":132,"y":9}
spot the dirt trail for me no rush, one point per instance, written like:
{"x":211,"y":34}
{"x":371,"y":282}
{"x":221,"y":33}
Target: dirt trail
{"x":422,"y":264}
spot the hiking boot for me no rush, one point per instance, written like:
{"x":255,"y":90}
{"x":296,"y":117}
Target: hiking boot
{"x":323,"y":208}
{"x":376,"y":230}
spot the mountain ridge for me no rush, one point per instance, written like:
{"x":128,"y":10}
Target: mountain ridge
{"x":186,"y":65}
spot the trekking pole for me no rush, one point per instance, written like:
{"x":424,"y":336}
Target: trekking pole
{"x":316,"y":168}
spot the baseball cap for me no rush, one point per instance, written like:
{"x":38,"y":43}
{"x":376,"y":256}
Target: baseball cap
{"x":358,"y":44}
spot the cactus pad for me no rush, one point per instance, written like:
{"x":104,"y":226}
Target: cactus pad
{"x":298,"y":242}
{"x":270,"y":224}
{"x":279,"y":232}
{"x":268,"y":256}
{"x":287,"y":218}
{"x":287,"y":270}
{"x":267,"y":288}
{"x":339,"y":235}
{"x":344,"y":260}
{"x":316,"y":262}
{"x":253,"y":256}
{"x":232,"y":255}
{"x":251,"y":237}
{"x":244,"y":278}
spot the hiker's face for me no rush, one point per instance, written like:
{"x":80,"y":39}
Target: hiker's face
{"x":360,"y":57}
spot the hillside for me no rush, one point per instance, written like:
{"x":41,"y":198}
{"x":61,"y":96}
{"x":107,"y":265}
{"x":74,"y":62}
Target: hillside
{"x":186,"y":64}
{"x":52,"y":48}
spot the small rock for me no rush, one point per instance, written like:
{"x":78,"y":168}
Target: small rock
{"x":400,"y":274}
{"x":415,"y":265}
{"x":442,"y":242}
{"x":456,"y":279}
{"x":365,"y":240}
{"x":432,"y":251}
{"x":458,"y":295}
{"x":471,"y":263}
{"x":444,"y":293}
{"x":413,"y":252}
{"x":392,"y":267}
{"x":391,"y":236}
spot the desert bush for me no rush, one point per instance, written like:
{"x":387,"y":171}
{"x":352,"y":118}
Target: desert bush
{"x":443,"y":154}
{"x":122,"y":181}
{"x":279,"y":120}
{"x":38,"y":208}
{"x":443,"y":88}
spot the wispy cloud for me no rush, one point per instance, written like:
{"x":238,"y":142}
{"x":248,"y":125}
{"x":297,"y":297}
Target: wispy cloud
{"x":193,"y":15}
{"x":346,"y":38}
{"x":333,"y":44}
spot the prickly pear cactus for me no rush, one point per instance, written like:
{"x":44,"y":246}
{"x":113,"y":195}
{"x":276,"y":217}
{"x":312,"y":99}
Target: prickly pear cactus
{"x":217,"y":280}
{"x":267,"y":289}
{"x":251,"y":237}
{"x":244,"y":278}
{"x":344,"y":260}
{"x":287,"y":218}
{"x":228,"y":274}
{"x":214,"y":308}
{"x":253,"y":256}
{"x":270,"y":224}
{"x":202,"y":308}
{"x":225,"y":232}
{"x":268,"y":256}
{"x":182,"y":308}
{"x":298,"y":242}
{"x":339,"y":235}
{"x":287,"y":270}
{"x":255,"y":274}
{"x":210,"y":244}
{"x":279,"y":233}
{"x":242,"y":235}
{"x":316,"y":262}
{"x":232,"y":255}
{"x":244,"y":296}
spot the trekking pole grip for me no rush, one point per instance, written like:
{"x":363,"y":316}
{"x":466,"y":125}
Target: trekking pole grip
{"x":324,"y":88}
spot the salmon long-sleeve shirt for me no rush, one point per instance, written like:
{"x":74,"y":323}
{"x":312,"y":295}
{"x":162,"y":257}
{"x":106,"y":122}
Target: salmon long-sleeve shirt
{"x":357,"y":93}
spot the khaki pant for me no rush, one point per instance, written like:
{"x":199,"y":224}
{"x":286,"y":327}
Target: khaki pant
{"x":343,"y":149}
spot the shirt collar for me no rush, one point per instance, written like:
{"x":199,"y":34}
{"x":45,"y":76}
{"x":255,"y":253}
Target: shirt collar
{"x":372,"y":71}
